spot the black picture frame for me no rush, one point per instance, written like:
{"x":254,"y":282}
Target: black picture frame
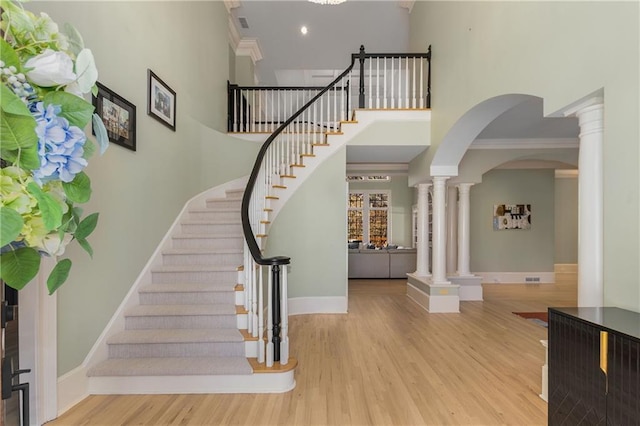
{"x":161,"y":101}
{"x":118,"y":116}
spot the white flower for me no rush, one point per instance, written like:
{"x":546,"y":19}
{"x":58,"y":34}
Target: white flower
{"x":55,"y":246}
{"x":51,"y":68}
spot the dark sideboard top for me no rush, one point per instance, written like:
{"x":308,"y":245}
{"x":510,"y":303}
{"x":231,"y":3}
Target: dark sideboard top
{"x":614,"y":319}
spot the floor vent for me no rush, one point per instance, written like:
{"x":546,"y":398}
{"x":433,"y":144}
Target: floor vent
{"x":532,"y":279}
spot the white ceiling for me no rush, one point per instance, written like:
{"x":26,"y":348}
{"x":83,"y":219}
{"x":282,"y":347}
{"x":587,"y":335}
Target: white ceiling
{"x":334,"y":33}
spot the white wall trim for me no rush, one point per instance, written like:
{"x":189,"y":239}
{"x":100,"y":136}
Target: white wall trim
{"x":73,"y":387}
{"x":318,"y":305}
{"x":249,"y":47}
{"x":516,"y":277}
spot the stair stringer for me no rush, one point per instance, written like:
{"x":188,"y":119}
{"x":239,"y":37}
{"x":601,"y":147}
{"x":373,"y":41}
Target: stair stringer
{"x":335,"y":141}
{"x":76,"y":385}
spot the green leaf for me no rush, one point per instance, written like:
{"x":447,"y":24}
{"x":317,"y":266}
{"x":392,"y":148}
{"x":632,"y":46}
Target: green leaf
{"x":49,"y":206}
{"x":11,"y":224}
{"x":11,"y":103}
{"x":8,"y":55}
{"x":101,"y":133}
{"x":76,"y":44}
{"x":79,"y":189}
{"x":75,"y":109}
{"x":58,"y":275}
{"x":20,"y":266}
{"x":86,"y":227}
{"x":86,"y":246}
{"x":29,"y":158}
{"x":89,"y":149}
{"x":18,"y":131}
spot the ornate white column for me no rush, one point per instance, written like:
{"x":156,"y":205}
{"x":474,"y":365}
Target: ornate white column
{"x":422,"y":255}
{"x":464,"y":218}
{"x":452,"y":230}
{"x":439,"y":265}
{"x":590,"y":203}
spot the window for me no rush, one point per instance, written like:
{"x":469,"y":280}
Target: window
{"x":368,"y":217}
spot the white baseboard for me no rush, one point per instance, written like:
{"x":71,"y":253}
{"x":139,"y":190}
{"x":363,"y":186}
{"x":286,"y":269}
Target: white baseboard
{"x":435,"y":303}
{"x":517,"y":277}
{"x":317,"y":305}
{"x":153,"y":385}
{"x":73,"y":387}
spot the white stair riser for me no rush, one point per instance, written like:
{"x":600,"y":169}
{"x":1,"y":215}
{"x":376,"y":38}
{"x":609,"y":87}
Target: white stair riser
{"x":212,"y":228}
{"x":211,"y":277}
{"x":234,"y":195}
{"x":180,"y":322}
{"x":224,"y":204}
{"x":214,"y":259}
{"x":187,"y":298}
{"x":214,"y":215}
{"x":251,"y":348}
{"x":231,"y":242}
{"x":164,"y":350}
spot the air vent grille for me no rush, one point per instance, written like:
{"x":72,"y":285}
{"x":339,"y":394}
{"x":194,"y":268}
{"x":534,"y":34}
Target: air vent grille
{"x":243,"y":22}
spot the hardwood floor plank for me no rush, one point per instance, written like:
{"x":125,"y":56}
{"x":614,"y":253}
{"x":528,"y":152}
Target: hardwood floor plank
{"x":387,"y":362}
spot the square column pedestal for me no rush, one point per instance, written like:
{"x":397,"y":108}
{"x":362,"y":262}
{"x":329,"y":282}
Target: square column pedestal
{"x":435,"y":298}
{"x":470,"y":287}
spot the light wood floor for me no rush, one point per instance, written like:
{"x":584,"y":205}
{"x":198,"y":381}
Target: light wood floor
{"x":387,"y":362}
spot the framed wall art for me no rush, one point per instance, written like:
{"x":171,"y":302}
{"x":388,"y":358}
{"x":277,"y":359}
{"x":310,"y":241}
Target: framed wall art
{"x":162,"y":101}
{"x":511,"y":216}
{"x":118,"y":116}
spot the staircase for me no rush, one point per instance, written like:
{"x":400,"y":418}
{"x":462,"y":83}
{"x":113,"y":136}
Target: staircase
{"x":188,"y":329}
{"x":208,"y":313}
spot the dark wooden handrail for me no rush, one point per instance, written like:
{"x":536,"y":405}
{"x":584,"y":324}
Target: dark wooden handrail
{"x":254,"y":249}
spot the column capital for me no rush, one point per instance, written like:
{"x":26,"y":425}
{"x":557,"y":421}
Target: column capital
{"x":464,"y":187}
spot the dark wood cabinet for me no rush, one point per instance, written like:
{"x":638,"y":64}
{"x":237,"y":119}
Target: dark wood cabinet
{"x":594,"y":366}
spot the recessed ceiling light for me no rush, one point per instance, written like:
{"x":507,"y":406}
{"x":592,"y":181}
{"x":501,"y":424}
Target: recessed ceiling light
{"x":304,"y":30}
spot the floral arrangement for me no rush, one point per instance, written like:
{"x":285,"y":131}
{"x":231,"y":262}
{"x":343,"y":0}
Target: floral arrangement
{"x":45,"y":73}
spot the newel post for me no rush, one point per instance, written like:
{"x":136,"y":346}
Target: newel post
{"x":361,"y":96}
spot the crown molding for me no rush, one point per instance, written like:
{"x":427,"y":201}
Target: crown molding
{"x":249,"y":47}
{"x":234,"y":34}
{"x":525,"y":143}
{"x":231,"y":4}
{"x":407,"y":4}
{"x":372,"y":168}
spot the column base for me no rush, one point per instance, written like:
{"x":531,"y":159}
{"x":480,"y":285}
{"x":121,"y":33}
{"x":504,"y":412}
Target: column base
{"x":433,"y":297}
{"x":470,"y":287}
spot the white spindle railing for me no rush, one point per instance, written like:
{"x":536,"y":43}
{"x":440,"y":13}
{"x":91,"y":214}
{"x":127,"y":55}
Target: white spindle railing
{"x":299,"y":119}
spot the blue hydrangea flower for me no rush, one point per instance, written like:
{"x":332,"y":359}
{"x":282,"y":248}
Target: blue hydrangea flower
{"x":60,"y":146}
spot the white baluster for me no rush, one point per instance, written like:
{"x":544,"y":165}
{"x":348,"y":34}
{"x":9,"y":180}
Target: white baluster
{"x":369,"y":100}
{"x":392,"y":85}
{"x":422,"y":83}
{"x":385,"y":83}
{"x":269,"y":320}
{"x":378,"y":83}
{"x":254,"y":307}
{"x":406,"y":83}
{"x":284,"y":314}
{"x":261,"y":348}
{"x":414,"y":102}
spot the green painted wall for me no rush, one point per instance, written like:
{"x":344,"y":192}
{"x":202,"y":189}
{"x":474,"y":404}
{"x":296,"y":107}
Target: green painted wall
{"x":312,"y":230}
{"x":566,"y":230}
{"x":513,"y":250}
{"x":244,"y":73}
{"x":561,"y":52}
{"x":139,"y":194}
{"x":401,"y":202}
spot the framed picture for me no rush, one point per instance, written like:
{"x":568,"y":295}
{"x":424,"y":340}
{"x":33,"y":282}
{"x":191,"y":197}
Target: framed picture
{"x":162,"y":101}
{"x":511,"y":216}
{"x":118,"y":116}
